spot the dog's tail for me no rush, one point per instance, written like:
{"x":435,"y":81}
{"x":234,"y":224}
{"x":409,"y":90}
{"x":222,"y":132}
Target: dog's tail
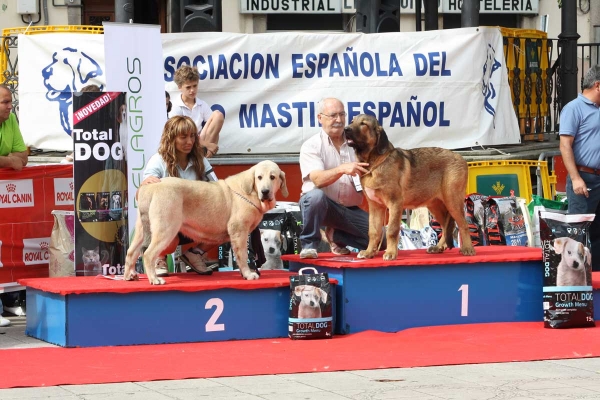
{"x":144,"y":217}
{"x":450,"y":230}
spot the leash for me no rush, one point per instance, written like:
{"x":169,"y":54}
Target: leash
{"x":243,"y":197}
{"x":377,"y":164}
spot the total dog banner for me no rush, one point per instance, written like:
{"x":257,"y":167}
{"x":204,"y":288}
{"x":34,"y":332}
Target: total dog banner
{"x":418,"y":84}
{"x":311,"y":310}
{"x":99,"y":173}
{"x":568,"y":295}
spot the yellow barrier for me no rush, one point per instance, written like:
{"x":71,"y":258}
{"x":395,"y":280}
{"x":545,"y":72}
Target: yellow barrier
{"x":527,"y":49}
{"x":32,"y":30}
{"x":507,"y":177}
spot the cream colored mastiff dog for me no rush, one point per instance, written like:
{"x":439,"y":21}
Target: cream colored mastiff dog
{"x":207,"y":212}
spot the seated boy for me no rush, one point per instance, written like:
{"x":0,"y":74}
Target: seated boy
{"x":209,"y":122}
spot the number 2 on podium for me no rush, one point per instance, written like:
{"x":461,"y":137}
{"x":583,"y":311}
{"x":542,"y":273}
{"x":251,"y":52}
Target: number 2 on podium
{"x":211,"y":325}
{"x":464,"y":306}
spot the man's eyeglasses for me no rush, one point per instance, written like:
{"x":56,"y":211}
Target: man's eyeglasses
{"x":341,"y":115}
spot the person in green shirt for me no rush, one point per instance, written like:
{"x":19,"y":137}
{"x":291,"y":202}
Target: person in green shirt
{"x":13,"y":152}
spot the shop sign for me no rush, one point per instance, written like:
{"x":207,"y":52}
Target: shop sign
{"x":296,"y":6}
{"x":485,"y":6}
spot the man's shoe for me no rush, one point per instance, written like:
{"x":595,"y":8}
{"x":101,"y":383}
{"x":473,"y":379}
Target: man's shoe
{"x":196,"y":262}
{"x":308,"y":253}
{"x":4,"y":322}
{"x":161,"y":267}
{"x":335,"y":249}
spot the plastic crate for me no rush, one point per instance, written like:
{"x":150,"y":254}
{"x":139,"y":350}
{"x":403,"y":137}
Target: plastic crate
{"x":507,"y":178}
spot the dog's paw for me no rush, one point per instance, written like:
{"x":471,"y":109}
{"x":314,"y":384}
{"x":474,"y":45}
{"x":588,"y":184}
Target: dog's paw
{"x":468,"y":251}
{"x":389,"y":256}
{"x":251,"y":276}
{"x":365,"y":254}
{"x":435,"y":250}
{"x":133,"y":276}
{"x":157,"y":281}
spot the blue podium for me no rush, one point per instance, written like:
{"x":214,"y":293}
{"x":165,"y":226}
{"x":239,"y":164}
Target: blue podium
{"x":95,"y":311}
{"x":499,"y":284}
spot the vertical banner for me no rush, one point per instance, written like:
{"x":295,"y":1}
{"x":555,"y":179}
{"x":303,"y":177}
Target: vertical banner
{"x":134,"y":64}
{"x":100,"y":176}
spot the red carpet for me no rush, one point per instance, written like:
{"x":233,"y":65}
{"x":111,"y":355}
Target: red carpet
{"x":181,"y":282}
{"x":442,"y":345}
{"x":485,"y":254}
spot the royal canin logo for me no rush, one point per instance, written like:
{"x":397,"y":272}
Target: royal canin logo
{"x":71,"y":185}
{"x":44,"y":245}
{"x":11,"y":187}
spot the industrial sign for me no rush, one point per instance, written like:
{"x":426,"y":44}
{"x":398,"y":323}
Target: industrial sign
{"x":297,"y":6}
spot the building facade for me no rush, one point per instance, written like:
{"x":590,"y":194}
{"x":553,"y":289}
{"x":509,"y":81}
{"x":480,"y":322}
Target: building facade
{"x":259,"y":16}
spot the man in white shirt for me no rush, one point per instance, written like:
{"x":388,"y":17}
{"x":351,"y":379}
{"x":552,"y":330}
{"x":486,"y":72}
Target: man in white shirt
{"x":209,"y":122}
{"x":329,"y":195}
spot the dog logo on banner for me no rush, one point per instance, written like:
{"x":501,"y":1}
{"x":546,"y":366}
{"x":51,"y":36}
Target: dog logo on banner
{"x":69,"y":71}
{"x":489,"y":91}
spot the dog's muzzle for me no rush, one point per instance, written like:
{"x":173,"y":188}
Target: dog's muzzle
{"x":265,"y":195}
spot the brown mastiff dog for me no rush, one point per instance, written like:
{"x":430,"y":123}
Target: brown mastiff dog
{"x":398,"y":179}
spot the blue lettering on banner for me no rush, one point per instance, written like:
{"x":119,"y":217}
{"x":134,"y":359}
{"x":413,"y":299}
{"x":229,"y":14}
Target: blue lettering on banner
{"x":402,"y":114}
{"x":432,"y":64}
{"x":227,"y":66}
{"x":350,"y":64}
{"x":308,"y":66}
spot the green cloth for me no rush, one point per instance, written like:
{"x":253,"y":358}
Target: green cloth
{"x":11,"y":140}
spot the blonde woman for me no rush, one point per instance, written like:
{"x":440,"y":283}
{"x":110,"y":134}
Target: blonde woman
{"x":180,"y":155}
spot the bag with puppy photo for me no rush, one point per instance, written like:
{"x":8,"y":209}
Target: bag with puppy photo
{"x":567,"y":261}
{"x":311,"y":309}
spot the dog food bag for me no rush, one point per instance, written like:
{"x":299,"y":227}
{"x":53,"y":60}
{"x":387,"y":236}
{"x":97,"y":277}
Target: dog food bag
{"x":505,"y":224}
{"x":475,"y":216}
{"x":311,"y":310}
{"x":567,"y":261}
{"x":541,"y":204}
{"x":512,"y":221}
{"x":62,"y":242}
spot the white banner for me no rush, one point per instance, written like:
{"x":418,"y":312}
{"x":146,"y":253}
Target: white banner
{"x":133,"y":53}
{"x":445,"y":88}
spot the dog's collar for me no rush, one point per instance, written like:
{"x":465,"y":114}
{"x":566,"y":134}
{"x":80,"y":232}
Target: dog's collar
{"x":377,"y":164}
{"x":243,"y":197}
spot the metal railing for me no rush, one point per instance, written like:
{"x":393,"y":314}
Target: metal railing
{"x":535,"y":78}
{"x":10,"y":75}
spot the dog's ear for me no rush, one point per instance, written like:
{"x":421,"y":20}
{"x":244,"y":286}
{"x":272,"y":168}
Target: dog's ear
{"x":247,"y":183}
{"x":262,"y":231}
{"x":559,"y":245}
{"x":383,"y":142}
{"x":283,"y":187}
{"x":298,"y":290}
{"x":283,"y":240}
{"x":588,"y":257}
{"x":322,"y":295}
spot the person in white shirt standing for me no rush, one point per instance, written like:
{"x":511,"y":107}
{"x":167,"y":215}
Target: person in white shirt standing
{"x":330,"y":195}
{"x":209,"y":122}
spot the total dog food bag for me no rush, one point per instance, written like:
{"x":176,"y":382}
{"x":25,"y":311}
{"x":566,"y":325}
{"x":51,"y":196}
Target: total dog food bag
{"x":311,"y":313}
{"x":567,"y":262}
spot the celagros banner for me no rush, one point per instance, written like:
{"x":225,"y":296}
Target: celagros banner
{"x":134,"y":66}
{"x":99,"y":173}
{"x":444,"y":88}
